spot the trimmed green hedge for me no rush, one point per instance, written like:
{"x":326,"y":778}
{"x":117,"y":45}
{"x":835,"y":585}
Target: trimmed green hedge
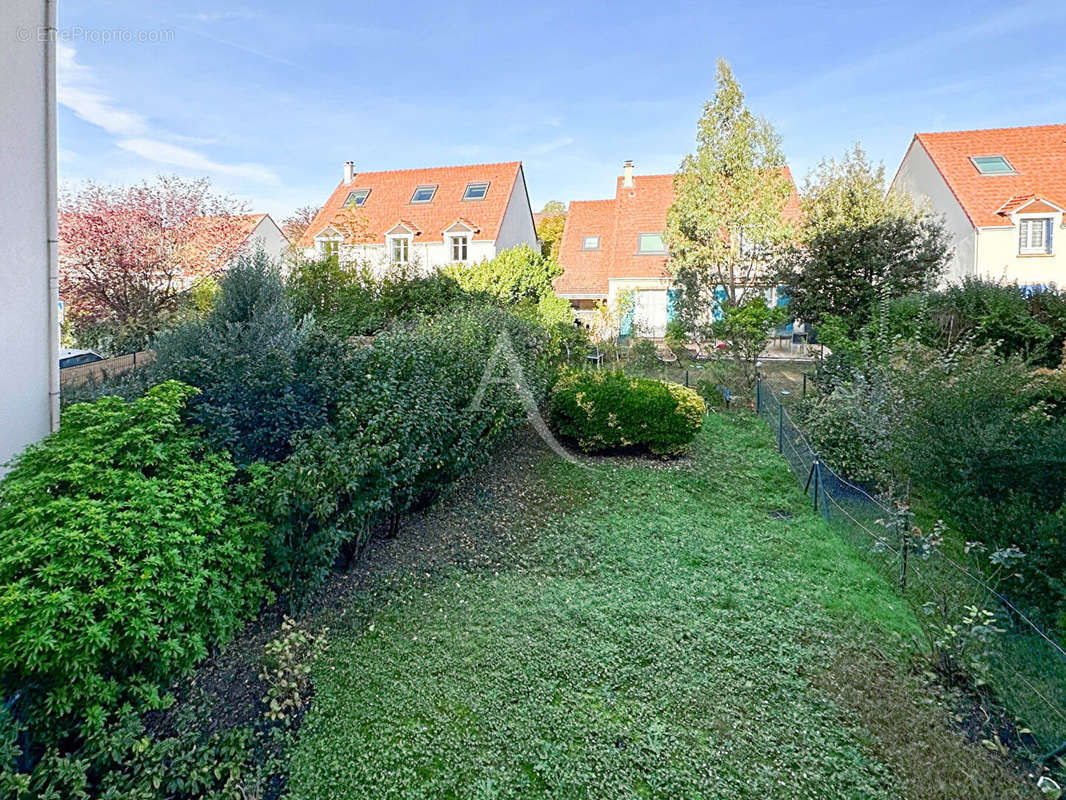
{"x":608,"y":410}
{"x":125,"y":555}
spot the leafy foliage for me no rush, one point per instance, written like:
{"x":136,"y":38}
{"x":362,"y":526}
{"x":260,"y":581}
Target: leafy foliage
{"x":126,"y":555}
{"x":858,"y":244}
{"x":418,"y":412}
{"x":550,"y":228}
{"x":607,"y":410}
{"x":745,"y":329}
{"x":729,"y":198}
{"x":263,"y":373}
{"x":514,"y":275}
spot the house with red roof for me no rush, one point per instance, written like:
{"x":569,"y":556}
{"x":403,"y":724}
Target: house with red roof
{"x":216,"y":241}
{"x":1002,"y":193}
{"x":425,"y":217}
{"x":617,"y":245}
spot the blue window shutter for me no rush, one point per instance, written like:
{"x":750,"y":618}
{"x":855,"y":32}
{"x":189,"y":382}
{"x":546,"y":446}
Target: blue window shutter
{"x":782,"y":296}
{"x":1047,"y":239}
{"x":626,"y":326}
{"x":671,"y":299}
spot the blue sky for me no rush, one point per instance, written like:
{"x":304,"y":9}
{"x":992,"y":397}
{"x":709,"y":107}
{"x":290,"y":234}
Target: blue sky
{"x":268,"y":99}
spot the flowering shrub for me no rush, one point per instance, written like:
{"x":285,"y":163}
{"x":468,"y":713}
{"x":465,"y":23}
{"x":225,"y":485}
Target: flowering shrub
{"x":607,"y":409}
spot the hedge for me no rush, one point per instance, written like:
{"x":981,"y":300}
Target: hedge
{"x":607,"y":410}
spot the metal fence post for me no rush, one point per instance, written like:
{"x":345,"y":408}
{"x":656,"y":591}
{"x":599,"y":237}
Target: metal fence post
{"x":686,"y":378}
{"x":805,"y":384}
{"x":816,"y":471}
{"x":904,"y":547}
{"x":780,"y":427}
{"x":758,"y":394}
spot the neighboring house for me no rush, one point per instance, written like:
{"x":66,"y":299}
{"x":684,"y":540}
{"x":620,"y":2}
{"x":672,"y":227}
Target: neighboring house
{"x":29,"y":328}
{"x":617,"y":245}
{"x":1002,"y":193}
{"x":219,"y":240}
{"x":429,"y":217}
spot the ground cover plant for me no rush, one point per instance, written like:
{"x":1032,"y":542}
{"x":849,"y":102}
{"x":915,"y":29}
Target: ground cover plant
{"x":644,"y":629}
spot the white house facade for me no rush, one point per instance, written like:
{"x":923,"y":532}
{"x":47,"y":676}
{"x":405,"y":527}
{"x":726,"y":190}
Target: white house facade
{"x":424,"y":217}
{"x":29,"y":361}
{"x":1001,"y":193}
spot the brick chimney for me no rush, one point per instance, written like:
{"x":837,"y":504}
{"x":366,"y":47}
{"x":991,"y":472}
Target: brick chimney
{"x":349,"y":172}
{"x":627,"y":171}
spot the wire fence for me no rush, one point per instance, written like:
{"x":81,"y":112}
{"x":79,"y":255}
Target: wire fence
{"x":1023,"y":664}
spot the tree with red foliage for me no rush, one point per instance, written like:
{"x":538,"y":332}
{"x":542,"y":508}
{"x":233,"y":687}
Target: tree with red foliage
{"x":299,"y":221}
{"x":123,"y":249}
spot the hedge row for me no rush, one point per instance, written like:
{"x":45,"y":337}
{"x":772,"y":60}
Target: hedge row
{"x":145,"y":531}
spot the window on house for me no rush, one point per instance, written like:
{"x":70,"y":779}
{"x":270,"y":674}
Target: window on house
{"x":459,"y":248}
{"x":1034,"y":236}
{"x":356,"y":198}
{"x":476,"y":191}
{"x":424,"y":194}
{"x":652,"y":243}
{"x":992,"y":165}
{"x":590,"y":243}
{"x":329,"y":247}
{"x":400,"y":249}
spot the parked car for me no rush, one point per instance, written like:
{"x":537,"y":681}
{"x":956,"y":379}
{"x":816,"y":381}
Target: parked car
{"x":75,"y":358}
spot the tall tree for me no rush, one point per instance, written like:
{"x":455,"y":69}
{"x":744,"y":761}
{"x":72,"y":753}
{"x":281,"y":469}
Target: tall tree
{"x":122,"y":248}
{"x":858,"y":244}
{"x":727,"y":212}
{"x":550,"y":228}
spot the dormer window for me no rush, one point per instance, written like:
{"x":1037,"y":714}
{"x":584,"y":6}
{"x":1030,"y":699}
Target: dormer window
{"x":992,"y":165}
{"x":356,"y":198}
{"x":590,"y":243}
{"x":424,"y":194}
{"x":476,"y":190}
{"x":400,"y":249}
{"x":459,"y":248}
{"x":651,"y":243}
{"x":1034,"y":236}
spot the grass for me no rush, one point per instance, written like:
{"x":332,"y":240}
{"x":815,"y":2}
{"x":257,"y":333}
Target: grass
{"x":634,"y":629}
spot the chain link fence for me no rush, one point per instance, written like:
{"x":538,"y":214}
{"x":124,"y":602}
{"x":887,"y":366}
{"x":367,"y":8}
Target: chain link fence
{"x":1022,"y":662}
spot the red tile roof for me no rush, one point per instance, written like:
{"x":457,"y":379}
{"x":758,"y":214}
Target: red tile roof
{"x":1037,"y":154}
{"x":214,"y":241}
{"x":619,"y":223}
{"x":389,"y":202}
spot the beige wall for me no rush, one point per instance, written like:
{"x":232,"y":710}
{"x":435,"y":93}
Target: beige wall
{"x":919,"y":177}
{"x":997,"y":258}
{"x":27,"y":164}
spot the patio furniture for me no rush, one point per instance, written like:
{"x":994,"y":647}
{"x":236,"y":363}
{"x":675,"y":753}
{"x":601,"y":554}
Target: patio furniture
{"x":665,"y":354}
{"x":596,"y":357}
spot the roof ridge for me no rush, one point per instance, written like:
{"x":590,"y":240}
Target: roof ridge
{"x":993,"y":130}
{"x":428,"y":169}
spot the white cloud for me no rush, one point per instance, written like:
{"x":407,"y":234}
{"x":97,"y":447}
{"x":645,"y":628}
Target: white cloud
{"x":548,"y":147}
{"x":78,"y":89}
{"x":173,"y":155}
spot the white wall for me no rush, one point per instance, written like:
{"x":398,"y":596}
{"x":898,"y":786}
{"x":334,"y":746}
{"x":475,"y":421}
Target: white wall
{"x":429,"y":255}
{"x":998,"y":259}
{"x":27,"y":169}
{"x":268,"y":235}
{"x":517,"y":225}
{"x":919,"y":177}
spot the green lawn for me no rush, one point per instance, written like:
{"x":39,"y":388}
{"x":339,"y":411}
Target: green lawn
{"x":634,"y":629}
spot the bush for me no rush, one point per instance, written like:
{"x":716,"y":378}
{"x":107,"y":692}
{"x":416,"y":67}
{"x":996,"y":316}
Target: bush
{"x":125,"y":556}
{"x":263,"y":373}
{"x":406,"y":427}
{"x":514,"y":275}
{"x":607,"y":409}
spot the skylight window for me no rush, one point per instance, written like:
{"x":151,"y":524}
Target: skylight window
{"x":356,"y":198}
{"x":476,"y":190}
{"x":424,"y":194}
{"x":992,"y":165}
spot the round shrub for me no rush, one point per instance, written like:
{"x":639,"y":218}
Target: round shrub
{"x":124,"y":557}
{"x":607,"y":409}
